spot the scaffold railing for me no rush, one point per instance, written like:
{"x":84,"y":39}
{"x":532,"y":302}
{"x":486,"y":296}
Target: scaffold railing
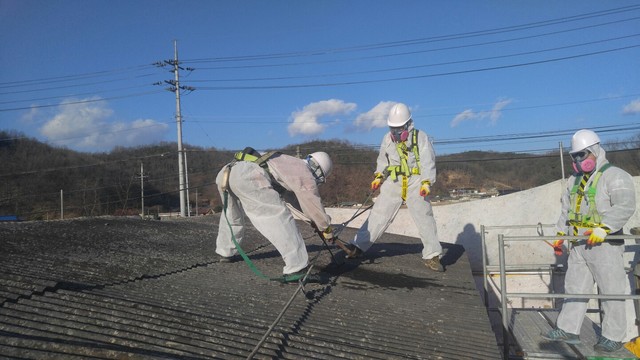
{"x":503,"y":271}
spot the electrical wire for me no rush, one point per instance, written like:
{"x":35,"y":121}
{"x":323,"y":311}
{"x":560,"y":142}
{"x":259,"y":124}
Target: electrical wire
{"x":398,"y":43}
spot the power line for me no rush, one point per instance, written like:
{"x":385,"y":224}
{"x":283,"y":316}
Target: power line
{"x":261,"y":119}
{"x":414,"y":52}
{"x":423,"y":76}
{"x":65,"y":78}
{"x":73,"y":95}
{"x":82,"y":101}
{"x":421,"y":40}
{"x":12,"y":92}
{"x":410,"y":42}
{"x":413,"y":67}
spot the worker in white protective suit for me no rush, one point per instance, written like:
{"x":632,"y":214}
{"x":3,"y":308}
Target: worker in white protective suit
{"x":260,"y":187}
{"x":405,"y":171}
{"x":598,"y":201}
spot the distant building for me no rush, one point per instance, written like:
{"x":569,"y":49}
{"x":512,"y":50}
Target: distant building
{"x":465,"y":194}
{"x":462,"y":192}
{"x":349,"y":204}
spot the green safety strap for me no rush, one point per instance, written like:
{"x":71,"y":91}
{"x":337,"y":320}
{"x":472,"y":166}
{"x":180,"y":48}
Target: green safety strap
{"x":593,"y":218}
{"x":416,"y":152}
{"x":404,"y":157}
{"x":282,"y":279}
{"x":261,"y":161}
{"x":403,"y":168}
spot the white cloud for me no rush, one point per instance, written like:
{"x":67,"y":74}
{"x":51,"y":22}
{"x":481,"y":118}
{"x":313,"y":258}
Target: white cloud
{"x":88,"y":126}
{"x":463,"y":116}
{"x":492,"y":115}
{"x":496,"y":112}
{"x":374,"y":118}
{"x":632,"y":108}
{"x":306,"y":121}
{"x":30,"y":116}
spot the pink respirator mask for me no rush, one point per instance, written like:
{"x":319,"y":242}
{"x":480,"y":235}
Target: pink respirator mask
{"x":582,"y":163}
{"x":399,"y":134}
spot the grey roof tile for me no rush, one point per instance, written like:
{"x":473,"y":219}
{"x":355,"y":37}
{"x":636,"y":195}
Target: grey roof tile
{"x":127,"y":288}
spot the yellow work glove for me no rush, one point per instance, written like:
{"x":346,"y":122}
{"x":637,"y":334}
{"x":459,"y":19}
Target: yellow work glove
{"x":557,"y":245}
{"x":633,"y":346}
{"x":375,"y":184}
{"x":327,"y":234}
{"x":425,"y":189}
{"x":596,"y":236}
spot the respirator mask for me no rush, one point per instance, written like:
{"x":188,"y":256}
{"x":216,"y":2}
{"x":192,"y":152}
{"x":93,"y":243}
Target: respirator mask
{"x":582,"y":163}
{"x":400,"y":133}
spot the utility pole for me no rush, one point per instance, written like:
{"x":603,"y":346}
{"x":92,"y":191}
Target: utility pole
{"x":142,"y":188}
{"x":174,"y":86}
{"x":562,"y":160}
{"x":187,"y":182}
{"x":176,"y":73}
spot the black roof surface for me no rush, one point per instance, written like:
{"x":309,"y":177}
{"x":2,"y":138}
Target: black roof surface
{"x":121,"y":288}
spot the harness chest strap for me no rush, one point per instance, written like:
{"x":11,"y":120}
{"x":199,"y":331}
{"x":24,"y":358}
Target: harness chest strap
{"x":403,"y":169}
{"x":592,"y":219}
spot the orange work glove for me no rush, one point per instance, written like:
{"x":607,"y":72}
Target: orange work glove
{"x":425,"y":189}
{"x":557,"y":245}
{"x":375,"y":184}
{"x":596,"y":236}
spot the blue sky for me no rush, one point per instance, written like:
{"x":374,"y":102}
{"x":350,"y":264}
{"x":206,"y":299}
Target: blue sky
{"x":478,"y":75}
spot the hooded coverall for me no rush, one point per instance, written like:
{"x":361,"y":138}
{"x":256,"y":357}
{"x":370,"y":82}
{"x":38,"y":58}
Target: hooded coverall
{"x":390,"y":199}
{"x":252,"y":193}
{"x":602,"y":263}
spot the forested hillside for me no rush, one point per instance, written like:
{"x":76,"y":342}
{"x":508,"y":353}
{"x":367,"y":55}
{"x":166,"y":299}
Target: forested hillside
{"x":39,"y":181}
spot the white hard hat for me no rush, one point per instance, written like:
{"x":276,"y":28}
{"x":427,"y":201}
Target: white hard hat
{"x":582,"y":139}
{"x":322,"y":161}
{"x":398,"y":115}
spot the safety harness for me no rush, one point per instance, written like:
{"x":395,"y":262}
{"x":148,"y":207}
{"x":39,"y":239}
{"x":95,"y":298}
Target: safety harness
{"x":592,"y":218}
{"x":249,"y":154}
{"x":403,"y":169}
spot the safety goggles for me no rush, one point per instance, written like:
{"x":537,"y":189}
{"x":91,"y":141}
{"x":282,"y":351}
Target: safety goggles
{"x":399,"y":129}
{"x":316,"y":170}
{"x":579,"y":156}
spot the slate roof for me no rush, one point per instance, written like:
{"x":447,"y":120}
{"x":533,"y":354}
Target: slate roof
{"x":119,"y":288}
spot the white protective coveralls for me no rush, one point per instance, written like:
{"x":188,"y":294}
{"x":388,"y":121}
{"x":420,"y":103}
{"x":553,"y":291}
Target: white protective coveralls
{"x":602,"y":263}
{"x":252,"y":193}
{"x":389,"y":201}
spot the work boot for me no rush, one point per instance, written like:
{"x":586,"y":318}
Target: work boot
{"x":558,"y":334}
{"x":354,"y":252}
{"x":434,"y":264}
{"x":228,"y":259}
{"x":607,"y":345}
{"x":297,"y":276}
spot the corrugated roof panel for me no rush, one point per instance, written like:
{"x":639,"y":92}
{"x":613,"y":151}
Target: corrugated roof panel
{"x":123,"y":288}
